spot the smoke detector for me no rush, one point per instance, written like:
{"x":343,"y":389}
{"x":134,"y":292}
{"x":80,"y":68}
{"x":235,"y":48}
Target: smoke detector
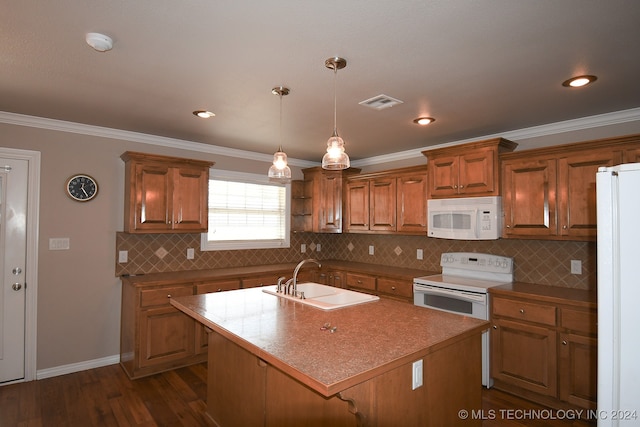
{"x":99,"y":42}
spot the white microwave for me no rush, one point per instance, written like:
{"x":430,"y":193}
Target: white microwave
{"x":468,"y":218}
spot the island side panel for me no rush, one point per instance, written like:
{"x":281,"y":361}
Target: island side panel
{"x":451,"y":383}
{"x":236,"y":382}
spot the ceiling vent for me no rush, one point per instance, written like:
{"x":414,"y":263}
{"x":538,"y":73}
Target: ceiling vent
{"x":380,"y":102}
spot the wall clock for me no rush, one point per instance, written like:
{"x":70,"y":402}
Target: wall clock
{"x":82,"y":188}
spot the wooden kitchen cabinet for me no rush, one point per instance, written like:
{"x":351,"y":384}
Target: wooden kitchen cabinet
{"x":155,"y":336}
{"x":544,"y":344}
{"x":361,"y":282}
{"x":324,"y":189}
{"x":329,"y":276}
{"x":387,"y":202}
{"x":524,"y":346}
{"x":265,"y":279}
{"x":395,"y":288}
{"x":466,"y":170}
{"x":550,"y":193}
{"x":165,"y":194}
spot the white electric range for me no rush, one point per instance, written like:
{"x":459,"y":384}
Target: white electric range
{"x":462,"y":288}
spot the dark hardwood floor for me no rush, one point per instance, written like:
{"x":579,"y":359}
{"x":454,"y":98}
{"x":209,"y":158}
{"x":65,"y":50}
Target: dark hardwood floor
{"x":106,"y":397}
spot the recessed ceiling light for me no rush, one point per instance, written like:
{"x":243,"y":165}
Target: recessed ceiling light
{"x":423,"y":121}
{"x":579,"y":81}
{"x":203,"y":114}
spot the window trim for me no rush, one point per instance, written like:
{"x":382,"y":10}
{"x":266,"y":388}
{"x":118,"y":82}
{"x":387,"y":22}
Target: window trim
{"x":206,"y":245}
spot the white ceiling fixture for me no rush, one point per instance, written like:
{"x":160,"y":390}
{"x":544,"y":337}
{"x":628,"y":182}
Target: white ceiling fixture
{"x":423,"y":121}
{"x":579,"y":81}
{"x":336,"y":158}
{"x":204,"y":114}
{"x":99,"y":42}
{"x":380,"y":102}
{"x":279,"y":170}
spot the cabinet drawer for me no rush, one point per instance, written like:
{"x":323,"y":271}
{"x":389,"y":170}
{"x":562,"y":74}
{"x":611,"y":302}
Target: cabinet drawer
{"x":252,"y":282}
{"x":528,"y":311}
{"x":579,"y":320}
{"x":217,"y":286}
{"x":159,"y":297}
{"x":361,"y":281}
{"x":396,"y":287}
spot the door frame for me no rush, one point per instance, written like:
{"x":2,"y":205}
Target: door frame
{"x":31,"y":276}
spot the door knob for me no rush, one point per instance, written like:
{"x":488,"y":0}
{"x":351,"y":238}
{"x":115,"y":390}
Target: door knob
{"x":16,"y":286}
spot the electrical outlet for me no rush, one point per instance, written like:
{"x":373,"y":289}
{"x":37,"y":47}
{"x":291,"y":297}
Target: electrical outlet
{"x":318,"y":247}
{"x":576,"y":266}
{"x":303,"y":248}
{"x":123,"y":256}
{"x":419,"y":254}
{"x":417,"y":375}
{"x":191,"y":253}
{"x":371,"y":250}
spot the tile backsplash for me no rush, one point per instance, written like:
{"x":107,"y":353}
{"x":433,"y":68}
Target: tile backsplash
{"x":535,"y":261}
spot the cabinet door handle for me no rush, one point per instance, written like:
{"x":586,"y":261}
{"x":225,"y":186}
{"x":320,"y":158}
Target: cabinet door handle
{"x":522,"y":311}
{"x":564,"y":342}
{"x":393,"y":288}
{"x":508,"y":226}
{"x":495,"y":327}
{"x":168,"y":295}
{"x":455,"y":186}
{"x":461,"y":187}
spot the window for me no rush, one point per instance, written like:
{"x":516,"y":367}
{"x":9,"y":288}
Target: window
{"x":246,"y":211}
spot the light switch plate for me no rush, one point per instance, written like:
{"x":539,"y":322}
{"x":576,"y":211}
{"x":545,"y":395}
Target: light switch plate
{"x":419,"y":254}
{"x":371,"y":250}
{"x":59,"y":244}
{"x":123,"y":256}
{"x":303,"y":248}
{"x":191,"y":253}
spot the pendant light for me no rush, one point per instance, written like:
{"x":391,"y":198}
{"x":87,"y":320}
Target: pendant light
{"x":279,"y":171}
{"x":336,"y":158}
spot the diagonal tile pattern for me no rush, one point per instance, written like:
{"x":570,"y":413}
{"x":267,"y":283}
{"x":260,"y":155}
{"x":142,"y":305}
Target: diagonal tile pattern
{"x":536,"y":261}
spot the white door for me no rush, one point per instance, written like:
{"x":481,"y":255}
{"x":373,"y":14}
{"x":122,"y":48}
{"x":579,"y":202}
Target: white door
{"x":13,"y":234}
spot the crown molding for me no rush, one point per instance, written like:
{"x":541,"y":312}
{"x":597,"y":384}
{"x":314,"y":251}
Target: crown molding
{"x":600,"y":120}
{"x":617,"y":117}
{"x":104,"y":132}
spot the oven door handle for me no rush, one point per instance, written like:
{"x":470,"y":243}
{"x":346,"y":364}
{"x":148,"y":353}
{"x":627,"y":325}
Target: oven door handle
{"x":449,"y":292}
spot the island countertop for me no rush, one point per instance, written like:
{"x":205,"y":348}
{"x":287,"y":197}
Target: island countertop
{"x":370,"y":339}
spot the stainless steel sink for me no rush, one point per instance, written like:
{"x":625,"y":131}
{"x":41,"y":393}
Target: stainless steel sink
{"x":324,"y":297}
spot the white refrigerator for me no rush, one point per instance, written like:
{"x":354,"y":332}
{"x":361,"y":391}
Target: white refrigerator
{"x":618,"y":204}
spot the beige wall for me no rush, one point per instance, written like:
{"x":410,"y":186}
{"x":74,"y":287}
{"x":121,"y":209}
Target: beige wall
{"x":78,"y":291}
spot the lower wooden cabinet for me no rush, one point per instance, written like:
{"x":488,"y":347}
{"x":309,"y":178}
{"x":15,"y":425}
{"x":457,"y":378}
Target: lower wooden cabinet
{"x":545,"y":349}
{"x":155,"y":336}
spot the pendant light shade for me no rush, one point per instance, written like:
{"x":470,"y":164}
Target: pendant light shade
{"x":336,"y":158}
{"x":279,"y":171}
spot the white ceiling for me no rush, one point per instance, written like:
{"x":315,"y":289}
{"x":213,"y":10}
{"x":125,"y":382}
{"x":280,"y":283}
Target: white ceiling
{"x":480,"y":67}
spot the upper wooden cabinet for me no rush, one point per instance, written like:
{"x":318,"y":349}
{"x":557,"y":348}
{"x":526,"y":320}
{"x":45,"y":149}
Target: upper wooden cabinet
{"x":317,"y":201}
{"x":550,"y":193}
{"x":165,"y":194}
{"x":389,"y":202}
{"x":466,"y":170}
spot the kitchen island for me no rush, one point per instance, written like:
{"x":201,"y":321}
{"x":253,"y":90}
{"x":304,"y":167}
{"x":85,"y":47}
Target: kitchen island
{"x":275,"y":362}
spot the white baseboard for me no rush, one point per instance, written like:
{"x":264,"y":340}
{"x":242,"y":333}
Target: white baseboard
{"x":77,"y":367}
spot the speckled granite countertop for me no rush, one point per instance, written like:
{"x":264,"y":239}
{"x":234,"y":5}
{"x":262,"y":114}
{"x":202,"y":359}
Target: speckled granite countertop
{"x":370,"y":339}
{"x":233,"y":272}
